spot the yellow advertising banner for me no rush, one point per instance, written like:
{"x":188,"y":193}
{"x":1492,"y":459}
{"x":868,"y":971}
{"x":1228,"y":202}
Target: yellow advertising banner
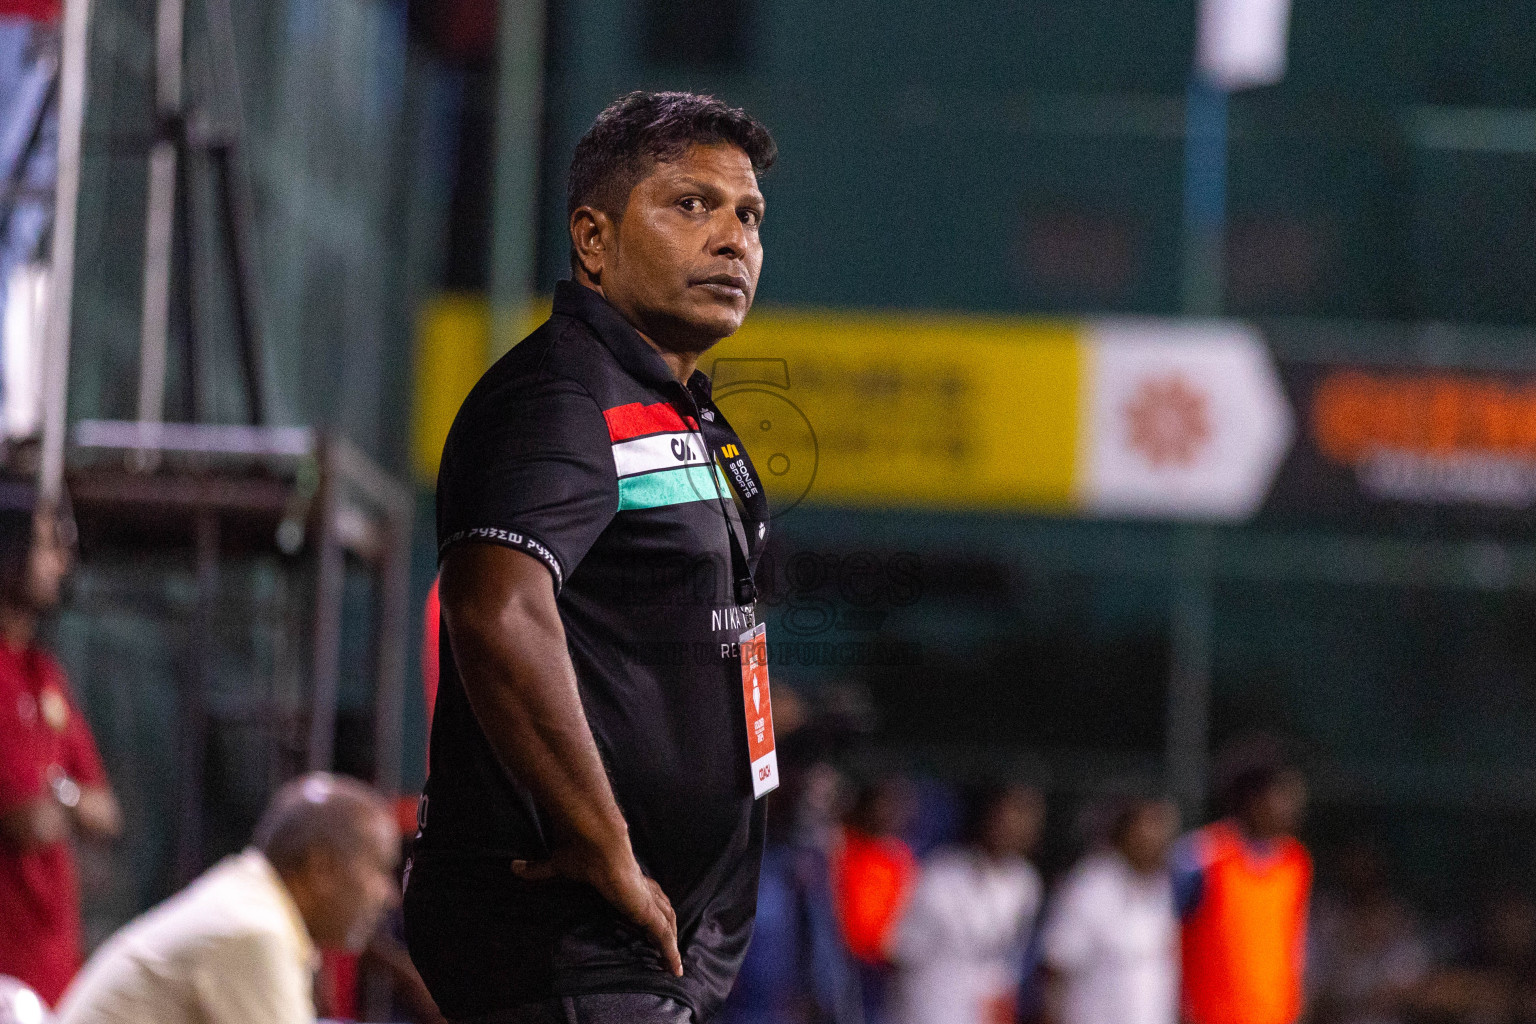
{"x":453,"y":344}
{"x":904,"y":409}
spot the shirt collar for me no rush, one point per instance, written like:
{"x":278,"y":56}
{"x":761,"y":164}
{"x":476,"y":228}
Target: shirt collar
{"x":700,"y":387}
{"x":298,"y":929}
{"x":632,"y":351}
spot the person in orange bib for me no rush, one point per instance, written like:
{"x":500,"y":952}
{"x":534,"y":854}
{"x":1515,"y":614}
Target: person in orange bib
{"x":1243,"y":886}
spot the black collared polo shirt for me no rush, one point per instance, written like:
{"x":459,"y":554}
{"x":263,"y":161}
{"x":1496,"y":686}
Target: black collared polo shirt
{"x":582,"y":450}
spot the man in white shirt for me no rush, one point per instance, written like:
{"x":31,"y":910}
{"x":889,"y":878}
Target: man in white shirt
{"x":959,"y":949}
{"x":239,"y":946}
{"x":1111,"y":939}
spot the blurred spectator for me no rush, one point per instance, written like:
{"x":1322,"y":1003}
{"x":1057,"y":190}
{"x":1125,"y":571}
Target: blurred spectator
{"x":1111,"y":940}
{"x":1495,"y":980}
{"x":239,"y":946}
{"x":796,"y":970}
{"x":873,"y":869}
{"x":1366,"y":957}
{"x":959,"y":949}
{"x":872,"y":872}
{"x":1243,"y":886}
{"x":51,"y":781}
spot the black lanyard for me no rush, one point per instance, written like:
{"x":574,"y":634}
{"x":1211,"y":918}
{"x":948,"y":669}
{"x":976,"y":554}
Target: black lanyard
{"x":750,"y":532}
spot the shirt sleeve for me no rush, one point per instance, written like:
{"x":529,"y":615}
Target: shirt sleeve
{"x":250,"y":979}
{"x":529,"y":465}
{"x":1188,"y":871}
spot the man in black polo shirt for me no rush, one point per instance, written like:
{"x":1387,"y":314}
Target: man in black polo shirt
{"x":590,"y":841}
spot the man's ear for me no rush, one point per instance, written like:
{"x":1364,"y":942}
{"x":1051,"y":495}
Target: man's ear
{"x":591,"y":237}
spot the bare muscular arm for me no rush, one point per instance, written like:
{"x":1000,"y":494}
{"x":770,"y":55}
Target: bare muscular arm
{"x":509,"y":646}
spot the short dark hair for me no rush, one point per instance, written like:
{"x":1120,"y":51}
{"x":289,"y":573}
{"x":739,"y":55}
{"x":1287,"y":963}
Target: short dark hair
{"x":641,"y":129}
{"x":1248,"y":768}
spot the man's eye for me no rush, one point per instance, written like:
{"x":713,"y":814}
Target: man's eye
{"x":750,"y":217}
{"x":692,"y":204}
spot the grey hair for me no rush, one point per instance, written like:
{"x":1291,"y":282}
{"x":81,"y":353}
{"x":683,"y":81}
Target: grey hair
{"x":318,"y":811}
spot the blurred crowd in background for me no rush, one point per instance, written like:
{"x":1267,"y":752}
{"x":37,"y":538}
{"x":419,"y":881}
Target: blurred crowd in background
{"x":893,"y":898}
{"x":901,"y":899}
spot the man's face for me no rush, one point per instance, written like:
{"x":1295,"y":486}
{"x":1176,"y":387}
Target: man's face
{"x":355,"y":892}
{"x":1013,"y":826}
{"x":682,"y":262}
{"x":1149,"y":835}
{"x":1277,"y":811}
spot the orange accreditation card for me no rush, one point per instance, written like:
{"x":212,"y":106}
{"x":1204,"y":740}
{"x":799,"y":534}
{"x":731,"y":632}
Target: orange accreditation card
{"x":754,"y":692}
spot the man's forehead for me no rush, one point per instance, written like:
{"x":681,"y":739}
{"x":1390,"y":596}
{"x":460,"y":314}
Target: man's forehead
{"x":719,"y":164}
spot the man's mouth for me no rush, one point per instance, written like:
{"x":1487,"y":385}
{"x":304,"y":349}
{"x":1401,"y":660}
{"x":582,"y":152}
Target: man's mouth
{"x":731,"y":285}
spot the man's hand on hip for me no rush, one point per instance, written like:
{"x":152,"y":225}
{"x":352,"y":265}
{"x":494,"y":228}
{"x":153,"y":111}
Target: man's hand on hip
{"x":619,"y":880}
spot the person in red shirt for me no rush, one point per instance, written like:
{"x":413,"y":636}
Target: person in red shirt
{"x":52,"y":785}
{"x":1243,"y":885}
{"x":872,"y":871}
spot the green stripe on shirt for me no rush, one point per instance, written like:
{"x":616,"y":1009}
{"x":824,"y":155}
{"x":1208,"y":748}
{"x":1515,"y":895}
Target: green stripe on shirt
{"x":670,"y":487}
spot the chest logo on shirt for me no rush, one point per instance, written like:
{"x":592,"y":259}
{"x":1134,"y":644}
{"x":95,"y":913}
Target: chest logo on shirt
{"x":660,"y":457}
{"x":55,"y":709}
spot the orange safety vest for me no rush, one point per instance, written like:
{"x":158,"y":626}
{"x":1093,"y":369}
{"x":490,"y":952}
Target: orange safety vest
{"x":1244,"y":944}
{"x":871,"y":876}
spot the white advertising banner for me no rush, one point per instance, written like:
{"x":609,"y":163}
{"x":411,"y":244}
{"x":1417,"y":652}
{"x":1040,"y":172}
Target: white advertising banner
{"x":1182,"y":420}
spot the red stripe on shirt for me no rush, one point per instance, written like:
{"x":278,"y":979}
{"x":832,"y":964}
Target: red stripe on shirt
{"x":636,"y":420}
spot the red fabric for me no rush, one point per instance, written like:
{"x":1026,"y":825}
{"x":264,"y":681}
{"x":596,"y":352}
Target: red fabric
{"x":339,"y":982}
{"x":1245,"y":942}
{"x":35,"y":10}
{"x":41,"y":728}
{"x":872,"y":877}
{"x":429,"y":651}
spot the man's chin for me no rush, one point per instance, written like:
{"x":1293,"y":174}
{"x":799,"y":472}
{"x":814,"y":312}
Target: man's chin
{"x":716,"y":322}
{"x":698,"y":333}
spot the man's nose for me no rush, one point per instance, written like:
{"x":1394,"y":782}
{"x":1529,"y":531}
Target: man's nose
{"x":730,"y":235}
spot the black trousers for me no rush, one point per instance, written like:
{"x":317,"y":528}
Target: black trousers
{"x":607,"y":1008}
